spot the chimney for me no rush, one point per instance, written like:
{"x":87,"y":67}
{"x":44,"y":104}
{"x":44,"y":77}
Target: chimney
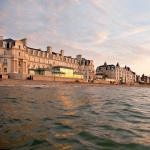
{"x":1,"y":37}
{"x":62,"y":52}
{"x":79,"y":57}
{"x":49,"y":49}
{"x":24,"y":41}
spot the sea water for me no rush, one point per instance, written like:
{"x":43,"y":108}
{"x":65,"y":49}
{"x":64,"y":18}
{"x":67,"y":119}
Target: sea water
{"x":74,"y":118}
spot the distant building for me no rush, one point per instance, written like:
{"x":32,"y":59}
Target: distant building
{"x":120,"y":74}
{"x":19,"y":61}
{"x":145,"y":79}
{"x":138,"y":78}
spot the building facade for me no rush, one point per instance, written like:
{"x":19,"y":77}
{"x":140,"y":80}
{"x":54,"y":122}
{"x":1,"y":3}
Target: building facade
{"x":119,"y":74}
{"x":17,"y":59}
{"x":145,"y":79}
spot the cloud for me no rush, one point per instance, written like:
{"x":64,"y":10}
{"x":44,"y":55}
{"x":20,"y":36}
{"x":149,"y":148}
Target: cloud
{"x":101,"y":30}
{"x":137,"y":30}
{"x":101,"y":6}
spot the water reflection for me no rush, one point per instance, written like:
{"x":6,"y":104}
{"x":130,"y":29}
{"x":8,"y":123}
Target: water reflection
{"x":66,"y":117}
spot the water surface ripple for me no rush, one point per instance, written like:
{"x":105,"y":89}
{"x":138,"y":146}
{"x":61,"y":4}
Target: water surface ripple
{"x":75,"y":118}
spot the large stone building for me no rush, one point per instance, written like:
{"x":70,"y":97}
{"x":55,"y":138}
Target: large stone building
{"x":19,"y":61}
{"x":119,"y":74}
{"x":145,"y":79}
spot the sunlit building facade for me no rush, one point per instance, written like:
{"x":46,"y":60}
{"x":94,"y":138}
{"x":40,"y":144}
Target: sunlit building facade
{"x":120,"y":74}
{"x":19,"y":61}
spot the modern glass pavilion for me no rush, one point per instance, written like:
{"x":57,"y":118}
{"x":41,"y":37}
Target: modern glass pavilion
{"x":57,"y":71}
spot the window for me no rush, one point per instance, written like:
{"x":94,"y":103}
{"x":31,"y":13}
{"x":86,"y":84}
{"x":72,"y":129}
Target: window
{"x":5,"y":69}
{"x":7,"y":45}
{"x":19,"y":46}
{"x":19,"y":63}
{"x":4,"y":52}
{"x":18,"y":53}
{"x":18,"y":70}
{"x":5,"y":60}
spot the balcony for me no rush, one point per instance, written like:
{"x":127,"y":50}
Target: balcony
{"x":13,"y":56}
{"x":5,"y":64}
{"x":19,"y":57}
{"x":5,"y":56}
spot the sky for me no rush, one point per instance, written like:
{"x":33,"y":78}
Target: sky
{"x":100,"y":30}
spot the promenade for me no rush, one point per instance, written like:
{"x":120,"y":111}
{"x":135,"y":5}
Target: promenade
{"x":12,"y":82}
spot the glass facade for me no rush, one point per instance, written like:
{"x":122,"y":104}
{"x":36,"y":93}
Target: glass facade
{"x":57,"y":72}
{"x":66,"y":72}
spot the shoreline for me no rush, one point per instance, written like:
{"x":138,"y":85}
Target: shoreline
{"x":13,"y":82}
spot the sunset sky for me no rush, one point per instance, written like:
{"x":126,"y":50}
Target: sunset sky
{"x":101,"y":30}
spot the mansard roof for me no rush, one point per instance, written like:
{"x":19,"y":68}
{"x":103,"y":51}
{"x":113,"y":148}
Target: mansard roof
{"x":133,"y":72}
{"x":101,"y":66}
{"x":128,"y":68}
{"x":111,"y":65}
{"x":8,"y":40}
{"x":34,"y":48}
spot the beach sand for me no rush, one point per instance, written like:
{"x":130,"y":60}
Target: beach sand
{"x":12,"y":82}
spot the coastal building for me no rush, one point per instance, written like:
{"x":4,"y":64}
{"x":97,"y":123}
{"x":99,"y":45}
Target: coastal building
{"x":145,"y":79}
{"x":119,"y":74}
{"x":138,"y":78}
{"x":18,"y":60}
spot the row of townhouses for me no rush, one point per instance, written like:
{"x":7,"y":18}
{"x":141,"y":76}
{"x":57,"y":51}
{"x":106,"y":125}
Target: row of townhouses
{"x":20,"y":61}
{"x":119,"y":74}
{"x":143,"y":79}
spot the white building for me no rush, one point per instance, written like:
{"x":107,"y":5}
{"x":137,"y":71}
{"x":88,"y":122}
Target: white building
{"x":119,"y":74}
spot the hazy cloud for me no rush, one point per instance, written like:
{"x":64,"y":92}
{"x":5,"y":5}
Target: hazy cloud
{"x":102,"y":30}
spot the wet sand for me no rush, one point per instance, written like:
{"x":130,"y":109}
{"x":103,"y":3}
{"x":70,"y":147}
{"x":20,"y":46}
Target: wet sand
{"x":12,"y":82}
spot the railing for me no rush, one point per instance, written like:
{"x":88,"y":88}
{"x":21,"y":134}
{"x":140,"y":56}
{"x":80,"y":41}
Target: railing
{"x":4,"y":55}
{"x":18,"y":56}
{"x":14,"y":56}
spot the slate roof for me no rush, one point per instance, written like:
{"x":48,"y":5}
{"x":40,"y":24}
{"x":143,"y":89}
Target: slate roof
{"x":8,"y":40}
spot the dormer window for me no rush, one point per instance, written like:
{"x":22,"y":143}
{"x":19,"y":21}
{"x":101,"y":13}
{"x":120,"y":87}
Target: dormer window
{"x":18,"y":46}
{"x":7,"y":45}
